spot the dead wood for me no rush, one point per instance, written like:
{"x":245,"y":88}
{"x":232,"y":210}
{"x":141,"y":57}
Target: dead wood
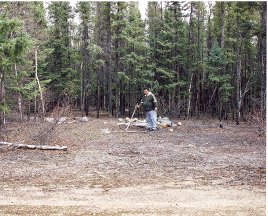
{"x":41,"y":147}
{"x":130,"y":131}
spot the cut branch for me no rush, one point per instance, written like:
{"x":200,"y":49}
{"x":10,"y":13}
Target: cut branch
{"x":41,"y":147}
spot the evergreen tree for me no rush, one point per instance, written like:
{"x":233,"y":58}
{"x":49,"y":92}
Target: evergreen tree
{"x":216,"y":79}
{"x":14,"y":44}
{"x":32,"y":14}
{"x":133,"y":59}
{"x":119,"y":42}
{"x":59,"y":68}
{"x":84,"y":10}
{"x":196,"y":61}
{"x":262,"y":55}
{"x":172,"y":41}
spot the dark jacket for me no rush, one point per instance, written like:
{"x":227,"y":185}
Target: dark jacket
{"x":149,"y":102}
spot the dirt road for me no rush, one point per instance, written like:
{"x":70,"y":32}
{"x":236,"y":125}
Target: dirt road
{"x":198,"y":169}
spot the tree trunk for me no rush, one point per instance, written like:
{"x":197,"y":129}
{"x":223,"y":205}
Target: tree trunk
{"x":263,"y":58}
{"x":19,"y":95}
{"x":190,"y":59}
{"x":169,"y":102}
{"x":85,"y":69}
{"x":238,"y":84}
{"x":222,"y":23}
{"x":98,"y":98}
{"x":39,"y":87}
{"x":209,"y":34}
{"x":121,"y":98}
{"x":177,"y":92}
{"x":199,"y":47}
{"x":222,"y":47}
{"x":108,"y":49}
{"x":189,"y":97}
{"x":2,"y":99}
{"x":177,"y":68}
{"x":82,"y":88}
{"x":116,"y":68}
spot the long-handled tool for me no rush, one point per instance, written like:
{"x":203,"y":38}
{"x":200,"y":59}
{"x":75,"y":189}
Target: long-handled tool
{"x":132,"y":116}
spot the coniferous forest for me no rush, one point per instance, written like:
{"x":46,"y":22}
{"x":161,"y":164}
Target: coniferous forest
{"x":198,"y":58}
{"x":79,"y":133}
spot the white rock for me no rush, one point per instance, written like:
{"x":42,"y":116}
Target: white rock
{"x":50,"y":120}
{"x":179,"y":124}
{"x":62,"y":119}
{"x":34,"y":119}
{"x":82,"y":119}
{"x":105,"y":131}
{"x":120,"y":120}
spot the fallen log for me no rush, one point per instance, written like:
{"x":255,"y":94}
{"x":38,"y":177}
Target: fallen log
{"x":130,"y":131}
{"x":41,"y":147}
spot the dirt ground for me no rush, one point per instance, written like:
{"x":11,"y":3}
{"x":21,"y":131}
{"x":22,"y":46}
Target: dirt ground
{"x":198,"y":169}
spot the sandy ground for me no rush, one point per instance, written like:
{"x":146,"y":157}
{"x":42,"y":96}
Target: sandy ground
{"x":198,"y":169}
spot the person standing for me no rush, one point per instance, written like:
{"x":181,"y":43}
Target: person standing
{"x":149,"y":105}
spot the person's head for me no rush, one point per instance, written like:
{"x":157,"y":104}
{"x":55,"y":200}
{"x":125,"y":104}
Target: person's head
{"x":146,"y":91}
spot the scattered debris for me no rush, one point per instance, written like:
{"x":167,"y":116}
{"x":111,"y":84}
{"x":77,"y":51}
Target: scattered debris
{"x":123,"y":159}
{"x":164,"y":122}
{"x":50,"y":120}
{"x":105,"y":131}
{"x":62,"y":120}
{"x":135,"y":122}
{"x":140,"y":123}
{"x":66,"y":120}
{"x":128,"y":131}
{"x":41,"y":147}
{"x":191,"y":146}
{"x":34,"y":119}
{"x":82,"y":119}
{"x":121,"y":120}
{"x":132,"y":119}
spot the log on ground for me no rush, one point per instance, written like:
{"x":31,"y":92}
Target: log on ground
{"x":41,"y":147}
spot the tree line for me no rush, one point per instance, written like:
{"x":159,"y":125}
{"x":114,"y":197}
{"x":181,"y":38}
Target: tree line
{"x":198,"y":59}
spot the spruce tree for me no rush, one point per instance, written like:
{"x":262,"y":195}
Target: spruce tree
{"x":134,"y":56}
{"x":119,"y":23}
{"x":59,"y":62}
{"x":84,"y":10}
{"x":14,"y":44}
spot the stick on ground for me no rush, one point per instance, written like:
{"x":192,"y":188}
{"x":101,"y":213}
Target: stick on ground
{"x":131,"y":117}
{"x":41,"y":147}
